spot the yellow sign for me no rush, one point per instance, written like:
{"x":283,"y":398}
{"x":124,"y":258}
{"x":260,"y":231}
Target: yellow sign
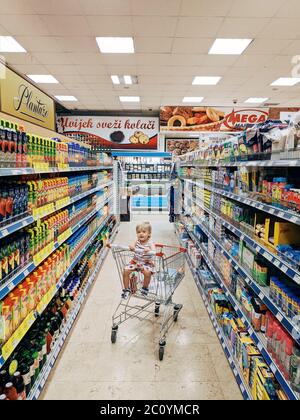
{"x":21,"y":99}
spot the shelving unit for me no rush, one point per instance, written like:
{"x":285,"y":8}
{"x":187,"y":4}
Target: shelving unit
{"x":193,"y":205}
{"x":32,"y":171}
{"x":52,"y":357}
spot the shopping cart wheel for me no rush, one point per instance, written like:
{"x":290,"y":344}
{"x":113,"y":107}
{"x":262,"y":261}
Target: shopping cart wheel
{"x":156,"y":310}
{"x":176,"y":312}
{"x":161,"y":353}
{"x":114,"y":335}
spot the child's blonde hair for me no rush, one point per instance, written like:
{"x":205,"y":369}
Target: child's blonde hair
{"x":144,"y":226}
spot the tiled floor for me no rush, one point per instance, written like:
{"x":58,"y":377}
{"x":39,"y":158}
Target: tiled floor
{"x":90,"y":367}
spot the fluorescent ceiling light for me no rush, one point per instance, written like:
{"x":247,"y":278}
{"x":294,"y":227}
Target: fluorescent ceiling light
{"x":200,"y":80}
{"x":129,"y":98}
{"x":42,"y":78}
{"x":115,"y":80}
{"x":286,"y":81}
{"x":128,"y":80}
{"x":229,"y":46}
{"x":256,"y":100}
{"x":115,"y":45}
{"x":66,"y":98}
{"x":9,"y":44}
{"x":192,"y":99}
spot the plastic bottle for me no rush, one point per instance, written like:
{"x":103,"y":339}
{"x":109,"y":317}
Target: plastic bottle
{"x":295,"y":369}
{"x":25,"y":372}
{"x":10,"y":391}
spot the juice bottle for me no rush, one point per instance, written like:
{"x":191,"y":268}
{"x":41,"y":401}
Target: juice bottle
{"x":25,"y":138}
{"x":19,"y":150}
{"x":5,"y":266}
{"x":25,"y":372}
{"x":7,"y":316}
{"x":16,"y":309}
{"x":18,"y":383}
{"x":24,"y":298}
{"x":10,"y":391}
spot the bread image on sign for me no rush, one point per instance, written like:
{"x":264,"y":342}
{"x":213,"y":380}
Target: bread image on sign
{"x":183,"y":118}
{"x":139,"y":137}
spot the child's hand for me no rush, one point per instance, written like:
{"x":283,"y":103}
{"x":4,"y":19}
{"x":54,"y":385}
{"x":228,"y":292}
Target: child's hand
{"x":108,"y":245}
{"x":131,"y":248}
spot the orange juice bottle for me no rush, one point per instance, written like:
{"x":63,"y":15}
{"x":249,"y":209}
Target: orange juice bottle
{"x":31,"y":287}
{"x":23,"y":292}
{"x":16,"y":309}
{"x":7,"y":316}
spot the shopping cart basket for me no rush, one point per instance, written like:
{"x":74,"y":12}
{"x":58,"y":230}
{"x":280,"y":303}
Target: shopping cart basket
{"x":157,"y":306}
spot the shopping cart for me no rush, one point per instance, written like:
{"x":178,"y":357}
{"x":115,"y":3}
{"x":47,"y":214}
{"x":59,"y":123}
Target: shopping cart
{"x":157,"y":306}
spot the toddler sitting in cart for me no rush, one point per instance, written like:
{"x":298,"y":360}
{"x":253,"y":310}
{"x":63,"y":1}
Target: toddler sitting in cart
{"x":143,"y":261}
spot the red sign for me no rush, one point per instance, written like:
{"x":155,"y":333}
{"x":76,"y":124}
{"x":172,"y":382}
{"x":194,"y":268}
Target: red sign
{"x":239,"y":118}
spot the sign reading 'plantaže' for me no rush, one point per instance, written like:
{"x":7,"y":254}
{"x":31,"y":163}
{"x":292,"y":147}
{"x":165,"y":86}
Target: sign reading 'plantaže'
{"x":114,"y":132}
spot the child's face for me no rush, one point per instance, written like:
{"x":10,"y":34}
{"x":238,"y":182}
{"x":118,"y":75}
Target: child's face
{"x":143,"y":235}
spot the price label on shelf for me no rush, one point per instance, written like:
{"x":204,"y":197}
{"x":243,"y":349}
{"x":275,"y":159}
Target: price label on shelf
{"x":62,"y":203}
{"x":64,"y":236}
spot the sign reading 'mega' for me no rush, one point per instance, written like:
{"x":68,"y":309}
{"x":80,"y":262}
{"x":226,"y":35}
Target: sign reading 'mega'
{"x":21,"y":99}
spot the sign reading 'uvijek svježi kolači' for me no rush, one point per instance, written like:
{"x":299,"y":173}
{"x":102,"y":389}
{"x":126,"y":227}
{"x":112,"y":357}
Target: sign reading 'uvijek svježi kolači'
{"x":114,"y":132}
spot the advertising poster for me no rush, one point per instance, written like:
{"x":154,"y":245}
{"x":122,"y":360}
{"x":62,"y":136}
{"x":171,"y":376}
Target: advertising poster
{"x":188,"y":118}
{"x":114,"y":132}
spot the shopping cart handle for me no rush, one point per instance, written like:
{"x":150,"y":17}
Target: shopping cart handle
{"x":120,"y":247}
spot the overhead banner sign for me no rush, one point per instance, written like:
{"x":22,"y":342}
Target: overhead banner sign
{"x":21,"y":99}
{"x":187,"y":118}
{"x":115,"y":132}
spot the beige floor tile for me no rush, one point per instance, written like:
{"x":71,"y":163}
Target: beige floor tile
{"x":91,"y":367}
{"x":189,"y":391}
{"x":231,"y":391}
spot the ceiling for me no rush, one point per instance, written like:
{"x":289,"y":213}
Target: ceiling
{"x":172,"y":39}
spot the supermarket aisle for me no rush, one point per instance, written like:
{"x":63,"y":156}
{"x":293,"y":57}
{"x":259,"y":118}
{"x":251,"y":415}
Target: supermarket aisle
{"x":90,"y":367}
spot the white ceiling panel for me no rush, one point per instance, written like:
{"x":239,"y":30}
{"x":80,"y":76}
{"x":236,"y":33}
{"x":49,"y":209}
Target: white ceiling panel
{"x":30,"y":25}
{"x":67,"y":25}
{"x":52,"y":58}
{"x":155,"y":7}
{"x":292,"y":49}
{"x":119,"y":59}
{"x":289,"y":8}
{"x":150,"y":26}
{"x":86,"y":58}
{"x":220,"y":60}
{"x":205,"y":8}
{"x":256,"y":61}
{"x":198,"y":27}
{"x":19,"y":7}
{"x":257,"y":8}
{"x":267,"y":46}
{"x":192,"y":45}
{"x":110,"y":26}
{"x":58,"y":70}
{"x":70,"y":78}
{"x":152,"y":45}
{"x":56,"y":7}
{"x":42,"y":44}
{"x":280,"y":28}
{"x":78,"y":44}
{"x":106,"y":8}
{"x":241,"y":27}
{"x":16,"y":58}
{"x":99,"y":78}
{"x":32,"y":69}
{"x":85,"y":70}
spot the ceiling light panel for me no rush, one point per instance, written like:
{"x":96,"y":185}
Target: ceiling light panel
{"x":42,"y":78}
{"x":9,"y":44}
{"x":66,"y":98}
{"x":228,"y":46}
{"x":286,"y":81}
{"x":202,"y":80}
{"x":256,"y":100}
{"x":129,"y":98}
{"x":193,"y":99}
{"x":114,"y":45}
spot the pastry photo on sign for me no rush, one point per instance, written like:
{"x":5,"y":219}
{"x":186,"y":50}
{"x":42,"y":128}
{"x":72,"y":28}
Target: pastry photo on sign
{"x":139,"y":138}
{"x":186,"y":118}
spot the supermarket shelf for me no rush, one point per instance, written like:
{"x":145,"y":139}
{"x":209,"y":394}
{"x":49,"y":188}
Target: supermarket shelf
{"x":254,"y":335}
{"x":290,"y":216}
{"x":282,"y":265}
{"x":261,"y":292}
{"x":18,"y":335}
{"x":58,"y":205}
{"x":32,"y":171}
{"x":148,"y":180}
{"x":20,"y":276}
{"x":254,"y":163}
{"x":226,"y":348}
{"x":40,"y":382}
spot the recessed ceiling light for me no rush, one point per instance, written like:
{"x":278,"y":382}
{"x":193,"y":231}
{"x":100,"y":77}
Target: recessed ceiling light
{"x":192,"y":99}
{"x":9,"y":44}
{"x":66,"y":98}
{"x":129,"y":98}
{"x":42,"y":78}
{"x":202,"y":80}
{"x":115,"y":45}
{"x":128,"y":80}
{"x":286,"y":81}
{"x":256,"y":100}
{"x":115,"y":80}
{"x":229,"y":46}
